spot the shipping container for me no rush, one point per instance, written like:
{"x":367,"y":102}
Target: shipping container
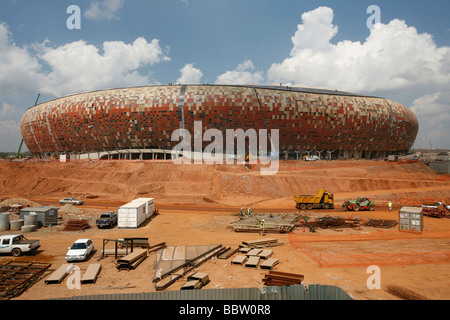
{"x":134,"y":213}
{"x":149,"y":206}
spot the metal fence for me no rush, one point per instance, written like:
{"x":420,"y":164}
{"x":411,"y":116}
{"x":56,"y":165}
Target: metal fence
{"x":297,"y":292}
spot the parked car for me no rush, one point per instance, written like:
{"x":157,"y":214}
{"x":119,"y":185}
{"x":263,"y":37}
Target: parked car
{"x":107,"y":219}
{"x":80,"y":250}
{"x":312,"y":158}
{"x":73,"y":201}
{"x":17,"y":244}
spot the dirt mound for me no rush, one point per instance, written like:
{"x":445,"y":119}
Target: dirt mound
{"x":224,"y":184}
{"x":21,"y":201}
{"x":69,"y":208}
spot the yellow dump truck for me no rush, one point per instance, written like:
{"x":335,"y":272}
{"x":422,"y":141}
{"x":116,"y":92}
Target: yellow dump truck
{"x":322,"y":200}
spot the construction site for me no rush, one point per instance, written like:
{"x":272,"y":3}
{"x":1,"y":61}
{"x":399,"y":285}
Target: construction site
{"x":223,"y":227}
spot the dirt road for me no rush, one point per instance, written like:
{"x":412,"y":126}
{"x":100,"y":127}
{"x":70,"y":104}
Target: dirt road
{"x":197,"y":204}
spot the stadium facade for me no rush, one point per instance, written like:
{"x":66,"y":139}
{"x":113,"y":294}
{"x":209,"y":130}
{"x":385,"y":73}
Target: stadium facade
{"x":309,"y":121}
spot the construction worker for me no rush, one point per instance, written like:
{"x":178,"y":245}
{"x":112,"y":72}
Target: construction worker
{"x":390,"y":205}
{"x":261,"y":226}
{"x":249,"y":211}
{"x":242,"y":213}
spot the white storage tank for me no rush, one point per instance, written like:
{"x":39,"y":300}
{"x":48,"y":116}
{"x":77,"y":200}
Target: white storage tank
{"x":134,"y":213}
{"x":4,"y":221}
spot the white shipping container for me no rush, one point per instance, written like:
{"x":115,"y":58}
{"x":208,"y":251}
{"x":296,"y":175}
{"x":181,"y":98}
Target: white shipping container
{"x":134,"y":213}
{"x":130,"y":215}
{"x":149,"y":206}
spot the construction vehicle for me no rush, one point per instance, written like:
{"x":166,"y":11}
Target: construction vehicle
{"x":322,"y":200}
{"x":438,"y":210}
{"x":359,"y":204}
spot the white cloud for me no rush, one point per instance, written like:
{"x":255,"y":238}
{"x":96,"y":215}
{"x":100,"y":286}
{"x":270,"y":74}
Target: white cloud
{"x":433,"y":110}
{"x":431,"y":105}
{"x":79,"y":66}
{"x":73,"y":67}
{"x":242,"y":74}
{"x":394,"y":56}
{"x":10,"y":135}
{"x":189,"y":74}
{"x":316,"y":31}
{"x":20,"y":70}
{"x":7,"y":111}
{"x":105,"y":10}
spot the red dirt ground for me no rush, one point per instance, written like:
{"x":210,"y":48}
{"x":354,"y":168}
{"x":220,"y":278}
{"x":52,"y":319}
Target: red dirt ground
{"x":198,"y":202}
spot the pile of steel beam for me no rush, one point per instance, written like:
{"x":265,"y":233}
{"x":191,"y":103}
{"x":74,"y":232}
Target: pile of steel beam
{"x":228,"y":252}
{"x":329,"y":222}
{"x":18,"y":276}
{"x":276,"y":278}
{"x":273,"y":223}
{"x":381,"y":223}
{"x":261,"y":243}
{"x":255,"y":253}
{"x":132,"y":260}
{"x":76,"y":225}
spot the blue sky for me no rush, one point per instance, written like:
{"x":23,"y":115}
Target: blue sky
{"x":406,"y":57}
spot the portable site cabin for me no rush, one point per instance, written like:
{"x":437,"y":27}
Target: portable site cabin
{"x":411,"y":219}
{"x":46,"y":216}
{"x":136,"y":212}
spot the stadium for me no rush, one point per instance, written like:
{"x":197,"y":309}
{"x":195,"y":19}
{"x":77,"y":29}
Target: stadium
{"x":138,"y":122}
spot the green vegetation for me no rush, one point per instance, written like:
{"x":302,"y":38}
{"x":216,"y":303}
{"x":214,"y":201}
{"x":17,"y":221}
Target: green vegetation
{"x":11,"y":155}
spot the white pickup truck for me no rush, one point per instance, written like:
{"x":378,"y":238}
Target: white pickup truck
{"x":17,"y":245}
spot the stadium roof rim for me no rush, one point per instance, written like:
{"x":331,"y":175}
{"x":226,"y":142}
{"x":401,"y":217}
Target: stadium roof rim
{"x":266,"y":87}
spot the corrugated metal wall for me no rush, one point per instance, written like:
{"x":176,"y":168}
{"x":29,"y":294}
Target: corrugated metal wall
{"x":300,"y":292}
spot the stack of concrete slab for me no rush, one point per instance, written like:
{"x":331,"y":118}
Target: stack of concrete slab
{"x":132,"y":260}
{"x":196,"y":281}
{"x":90,"y":276}
{"x":255,"y":253}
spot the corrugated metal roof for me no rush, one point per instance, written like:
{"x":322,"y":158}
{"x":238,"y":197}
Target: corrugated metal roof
{"x":298,"y":292}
